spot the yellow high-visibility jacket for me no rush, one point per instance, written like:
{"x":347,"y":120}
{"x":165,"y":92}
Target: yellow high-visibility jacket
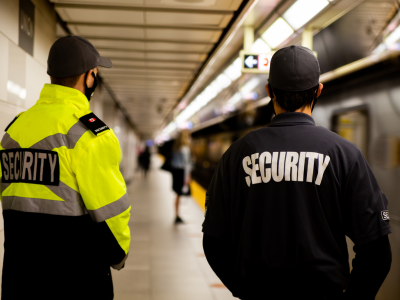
{"x":60,"y":167}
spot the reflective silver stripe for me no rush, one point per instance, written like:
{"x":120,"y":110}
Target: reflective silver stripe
{"x":121,"y":264}
{"x":66,"y":193}
{"x":3,"y":186}
{"x":50,"y":207}
{"x":110,"y":210}
{"x":8,"y":143}
{"x":58,"y":140}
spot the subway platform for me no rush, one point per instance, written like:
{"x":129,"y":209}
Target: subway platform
{"x":166,"y":261}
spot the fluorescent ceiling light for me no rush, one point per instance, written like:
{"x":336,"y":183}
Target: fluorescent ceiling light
{"x":209,"y":93}
{"x":393,"y":37}
{"x":223,"y":81}
{"x":215,"y":86}
{"x":303,"y":11}
{"x":250,"y":85}
{"x":277,"y":33}
{"x":234,"y":70}
{"x":259,"y":46}
{"x":170,"y":128}
{"x":235,"y":99}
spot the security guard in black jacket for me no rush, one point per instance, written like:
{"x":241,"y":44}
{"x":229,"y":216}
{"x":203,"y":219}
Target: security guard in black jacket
{"x":284,"y":197}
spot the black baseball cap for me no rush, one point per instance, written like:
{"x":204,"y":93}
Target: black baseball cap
{"x":294,"y":68}
{"x":74,"y":55}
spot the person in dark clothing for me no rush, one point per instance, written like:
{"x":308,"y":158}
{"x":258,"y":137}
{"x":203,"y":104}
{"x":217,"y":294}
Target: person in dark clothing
{"x":182,"y":165}
{"x":144,"y":161}
{"x":284,"y":197}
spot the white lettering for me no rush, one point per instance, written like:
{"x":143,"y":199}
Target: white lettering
{"x":254,"y":178}
{"x":10,"y":156}
{"x":35,"y":166}
{"x":322,"y":167}
{"x":6,"y":172}
{"x":279,"y":165}
{"x":291,"y":164}
{"x":52,"y":165}
{"x":42,"y":157}
{"x":248,"y":171}
{"x":265,"y":157}
{"x":101,"y":128}
{"x":16,"y":174}
{"x":302,"y":159}
{"x":27,"y":165}
{"x":310,"y":170}
{"x":278,"y":177}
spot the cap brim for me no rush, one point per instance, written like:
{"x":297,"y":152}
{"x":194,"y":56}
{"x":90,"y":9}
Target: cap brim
{"x":105,"y":62}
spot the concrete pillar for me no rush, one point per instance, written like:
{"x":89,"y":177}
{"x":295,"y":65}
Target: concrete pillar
{"x":307,"y":38}
{"x":248,"y":37}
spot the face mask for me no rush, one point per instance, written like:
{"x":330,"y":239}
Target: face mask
{"x":90,"y":91}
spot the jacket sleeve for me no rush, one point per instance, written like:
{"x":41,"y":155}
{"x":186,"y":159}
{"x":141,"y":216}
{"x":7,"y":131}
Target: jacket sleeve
{"x":103,"y":191}
{"x":1,"y":174}
{"x":370,"y":268}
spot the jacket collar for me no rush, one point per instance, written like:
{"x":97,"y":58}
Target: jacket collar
{"x":291,"y":119}
{"x":53,"y":93}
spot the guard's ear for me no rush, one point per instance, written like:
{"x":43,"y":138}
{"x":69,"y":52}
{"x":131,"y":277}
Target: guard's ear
{"x":268,"y":89}
{"x":89,"y":78}
{"x":320,"y":87}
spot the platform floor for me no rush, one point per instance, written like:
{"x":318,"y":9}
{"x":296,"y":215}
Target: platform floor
{"x":166,"y":262}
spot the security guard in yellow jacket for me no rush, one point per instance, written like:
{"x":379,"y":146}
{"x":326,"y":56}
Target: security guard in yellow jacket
{"x":64,"y":200}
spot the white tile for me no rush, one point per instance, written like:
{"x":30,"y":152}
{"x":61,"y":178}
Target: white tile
{"x":7,"y":114}
{"x":45,"y":36}
{"x":4,"y":48}
{"x":36,"y":77}
{"x":9,"y":18}
{"x":16,"y":73}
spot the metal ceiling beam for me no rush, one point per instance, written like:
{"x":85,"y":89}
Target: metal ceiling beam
{"x":193,"y":28}
{"x":152,"y":51}
{"x":185,"y":79}
{"x":230,"y":29}
{"x":146,"y":9}
{"x":145,"y":89}
{"x":150,"y":41}
{"x":155,"y":60}
{"x":150,"y":68}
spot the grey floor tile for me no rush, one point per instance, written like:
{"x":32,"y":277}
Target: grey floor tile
{"x":166,"y":262}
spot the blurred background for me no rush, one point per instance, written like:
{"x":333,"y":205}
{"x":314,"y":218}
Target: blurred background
{"x":201,"y":66}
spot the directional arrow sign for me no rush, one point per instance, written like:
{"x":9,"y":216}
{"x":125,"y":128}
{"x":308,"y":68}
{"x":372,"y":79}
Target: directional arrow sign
{"x":255,"y":62}
{"x":250,"y":61}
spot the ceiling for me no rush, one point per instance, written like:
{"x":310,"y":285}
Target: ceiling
{"x":157,"y":47}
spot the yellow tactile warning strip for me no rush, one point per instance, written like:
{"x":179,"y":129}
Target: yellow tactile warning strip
{"x":198,"y":194}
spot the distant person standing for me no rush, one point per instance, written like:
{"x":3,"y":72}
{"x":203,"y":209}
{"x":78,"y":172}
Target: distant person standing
{"x":144,"y":161}
{"x":182,"y":166}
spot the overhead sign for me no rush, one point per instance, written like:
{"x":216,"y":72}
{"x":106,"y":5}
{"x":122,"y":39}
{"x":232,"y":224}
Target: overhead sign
{"x":255,"y":62}
{"x":26,"y":25}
